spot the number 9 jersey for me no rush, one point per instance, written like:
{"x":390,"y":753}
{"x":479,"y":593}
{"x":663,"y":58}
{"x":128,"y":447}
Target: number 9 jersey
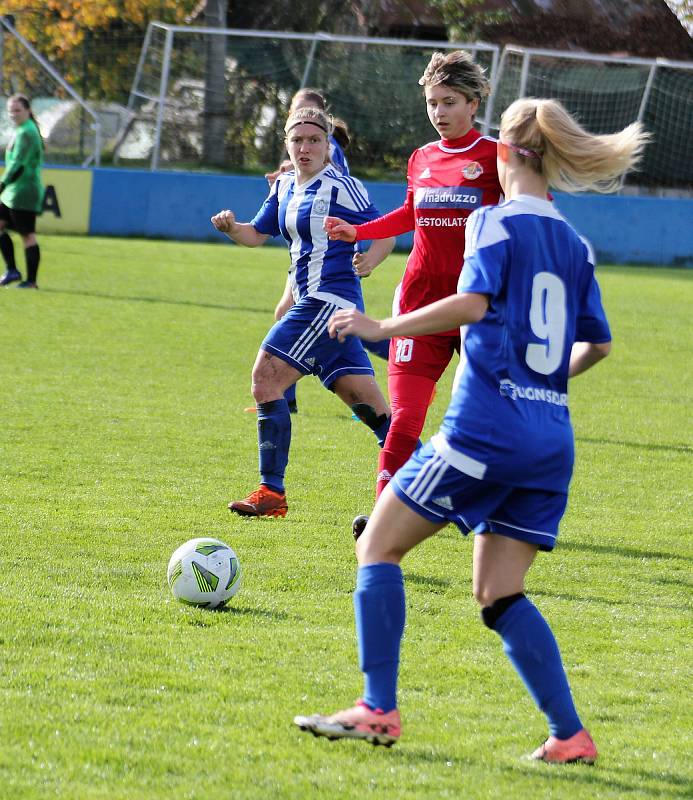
{"x":538,"y":274}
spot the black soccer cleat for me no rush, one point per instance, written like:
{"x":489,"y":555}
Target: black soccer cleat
{"x":358,"y":526}
{"x":10,"y":276}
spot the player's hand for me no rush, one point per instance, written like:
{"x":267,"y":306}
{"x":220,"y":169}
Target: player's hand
{"x":272,"y":176}
{"x":224,"y":221}
{"x":350,"y":322}
{"x":283,"y":306}
{"x":363,"y":265}
{"x":339,"y":230}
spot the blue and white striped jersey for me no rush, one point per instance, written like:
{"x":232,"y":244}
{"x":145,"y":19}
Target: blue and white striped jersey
{"x":319,"y":268}
{"x":508,"y":420}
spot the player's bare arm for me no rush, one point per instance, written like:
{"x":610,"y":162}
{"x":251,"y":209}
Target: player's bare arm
{"x":585,"y":355}
{"x":241,"y":232}
{"x":365,"y":263}
{"x":443,"y":315}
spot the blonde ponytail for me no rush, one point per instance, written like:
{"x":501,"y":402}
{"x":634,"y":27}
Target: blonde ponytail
{"x":571,"y":158}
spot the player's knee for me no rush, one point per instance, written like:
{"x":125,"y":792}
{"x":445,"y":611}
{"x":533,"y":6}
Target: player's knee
{"x":372,"y":548}
{"x":492,"y":611}
{"x":263,"y":390}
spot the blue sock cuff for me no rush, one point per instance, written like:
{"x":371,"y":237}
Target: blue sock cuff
{"x":380,"y":573}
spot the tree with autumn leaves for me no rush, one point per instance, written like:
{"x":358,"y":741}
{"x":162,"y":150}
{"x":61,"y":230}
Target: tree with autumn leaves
{"x":93,"y":43}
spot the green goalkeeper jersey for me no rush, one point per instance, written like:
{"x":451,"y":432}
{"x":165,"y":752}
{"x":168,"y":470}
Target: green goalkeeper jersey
{"x":22,"y":176}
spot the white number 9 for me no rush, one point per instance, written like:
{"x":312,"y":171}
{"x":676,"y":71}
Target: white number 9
{"x":547,"y":319}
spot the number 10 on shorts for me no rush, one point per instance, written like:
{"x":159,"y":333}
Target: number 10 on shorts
{"x":404,"y":350}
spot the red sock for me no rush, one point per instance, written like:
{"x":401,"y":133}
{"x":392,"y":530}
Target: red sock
{"x":410,"y":396}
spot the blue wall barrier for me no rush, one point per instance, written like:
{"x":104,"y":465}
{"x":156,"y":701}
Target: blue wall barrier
{"x":178,"y":205}
{"x":633,"y":230}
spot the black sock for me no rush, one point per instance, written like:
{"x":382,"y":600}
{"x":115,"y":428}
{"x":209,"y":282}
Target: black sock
{"x":33,"y":256}
{"x":7,"y":250}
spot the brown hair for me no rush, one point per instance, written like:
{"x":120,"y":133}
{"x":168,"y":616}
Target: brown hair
{"x":459,"y":71}
{"x":567,"y":155}
{"x":307,"y":97}
{"x":24,"y":100}
{"x":313,"y":97}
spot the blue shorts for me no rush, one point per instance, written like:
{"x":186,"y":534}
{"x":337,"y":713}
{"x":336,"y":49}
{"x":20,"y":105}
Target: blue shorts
{"x":440,"y":493}
{"x":301,"y":339}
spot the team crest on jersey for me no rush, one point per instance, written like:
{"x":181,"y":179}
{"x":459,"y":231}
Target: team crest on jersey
{"x":472,"y":170}
{"x":320,"y":207}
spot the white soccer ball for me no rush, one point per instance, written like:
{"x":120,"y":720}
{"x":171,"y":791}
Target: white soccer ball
{"x":204,"y":572}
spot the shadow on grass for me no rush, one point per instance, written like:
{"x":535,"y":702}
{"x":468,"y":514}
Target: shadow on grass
{"x":682,"y":582}
{"x":625,"y":552}
{"x":668,"y":448}
{"x":582,"y":598}
{"x":426,"y":580}
{"x":637,"y":601}
{"x":258,"y":613}
{"x":164,"y":301}
{"x":627,"y":781}
{"x":407,"y":754}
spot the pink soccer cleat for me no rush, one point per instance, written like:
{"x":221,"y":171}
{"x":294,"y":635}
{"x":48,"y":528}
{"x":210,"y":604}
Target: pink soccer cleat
{"x":579,"y":748}
{"x":359,"y":722}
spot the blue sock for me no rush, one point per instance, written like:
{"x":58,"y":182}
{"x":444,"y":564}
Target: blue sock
{"x":531,"y":647}
{"x":274,"y":438}
{"x":379,"y":609}
{"x":380,"y":349}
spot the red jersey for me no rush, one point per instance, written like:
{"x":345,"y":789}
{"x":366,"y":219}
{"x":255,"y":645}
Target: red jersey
{"x":446,"y":181}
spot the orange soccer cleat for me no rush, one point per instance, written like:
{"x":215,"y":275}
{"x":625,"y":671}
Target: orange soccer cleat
{"x":263,"y":502}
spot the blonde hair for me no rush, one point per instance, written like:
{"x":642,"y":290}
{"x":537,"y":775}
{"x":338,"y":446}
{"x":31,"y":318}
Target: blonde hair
{"x":568,"y":156}
{"x":459,"y":71}
{"x":309,"y":114}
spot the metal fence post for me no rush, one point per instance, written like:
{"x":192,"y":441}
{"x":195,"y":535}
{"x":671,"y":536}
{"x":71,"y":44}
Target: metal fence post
{"x":163,"y":87}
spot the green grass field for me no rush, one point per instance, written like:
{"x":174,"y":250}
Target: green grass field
{"x":124,"y":381}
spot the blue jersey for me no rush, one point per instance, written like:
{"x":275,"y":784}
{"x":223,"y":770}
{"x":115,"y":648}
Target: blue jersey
{"x":337,"y":156}
{"x":320,"y":268}
{"x":508,"y":420}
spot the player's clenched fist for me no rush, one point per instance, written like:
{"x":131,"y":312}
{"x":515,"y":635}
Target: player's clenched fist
{"x":224,"y":221}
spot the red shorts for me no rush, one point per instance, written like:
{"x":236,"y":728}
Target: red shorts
{"x":427,"y":356}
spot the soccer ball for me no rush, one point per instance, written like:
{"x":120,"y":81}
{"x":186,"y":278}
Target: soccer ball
{"x":204,"y":572}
